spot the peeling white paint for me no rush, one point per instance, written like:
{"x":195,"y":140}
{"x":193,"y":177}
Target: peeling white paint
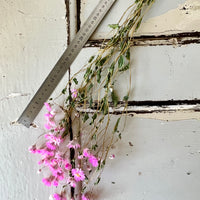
{"x":171,"y":116}
{"x":166,"y":113}
{"x":184,"y":18}
{"x":13,"y":95}
{"x":33,"y":37}
{"x":161,"y":19}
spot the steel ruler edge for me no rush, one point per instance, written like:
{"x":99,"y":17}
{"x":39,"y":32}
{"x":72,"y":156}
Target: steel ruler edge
{"x":64,"y":63}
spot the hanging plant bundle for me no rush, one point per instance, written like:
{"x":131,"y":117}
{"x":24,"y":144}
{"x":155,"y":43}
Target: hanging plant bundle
{"x":72,"y":161}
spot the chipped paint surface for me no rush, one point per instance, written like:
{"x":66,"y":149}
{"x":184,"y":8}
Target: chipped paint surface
{"x":164,"y":113}
{"x":32,"y":38}
{"x":184,"y":18}
{"x":171,"y":116}
{"x":166,"y":17}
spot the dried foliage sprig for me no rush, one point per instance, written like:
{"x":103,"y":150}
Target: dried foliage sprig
{"x":95,"y":90}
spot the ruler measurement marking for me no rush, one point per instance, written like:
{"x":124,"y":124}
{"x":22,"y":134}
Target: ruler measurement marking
{"x":64,"y":63}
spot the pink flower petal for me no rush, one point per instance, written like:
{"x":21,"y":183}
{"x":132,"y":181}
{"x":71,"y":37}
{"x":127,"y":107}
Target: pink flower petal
{"x":86,"y":152}
{"x":47,"y":126}
{"x":94,"y":161}
{"x":48,"y":107}
{"x":84,"y":197}
{"x":71,"y":182}
{"x":112,"y":156}
{"x":47,"y":181}
{"x":74,"y":93}
{"x":78,"y":174}
{"x":68,"y":166}
{"x":58,"y":197}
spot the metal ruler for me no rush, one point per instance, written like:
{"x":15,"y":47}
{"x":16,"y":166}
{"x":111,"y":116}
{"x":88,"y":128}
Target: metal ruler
{"x":64,"y":63}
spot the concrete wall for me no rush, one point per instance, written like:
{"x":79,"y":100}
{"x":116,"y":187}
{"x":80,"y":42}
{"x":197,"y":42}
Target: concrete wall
{"x":164,"y":161}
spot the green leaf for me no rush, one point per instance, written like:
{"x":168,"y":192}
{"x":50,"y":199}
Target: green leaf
{"x":124,"y":68}
{"x":84,"y":188}
{"x":103,"y":163}
{"x":85,"y":117}
{"x":128,"y":54}
{"x":99,"y":76}
{"x":94,"y":147}
{"x":75,"y":81}
{"x":101,"y":120}
{"x":98,"y":180}
{"x":91,"y":102}
{"x":111,"y":69}
{"x":114,"y":26}
{"x":87,"y":74}
{"x":90,"y":86}
{"x":126,"y":98}
{"x":121,"y":61}
{"x":64,"y":90}
{"x":72,"y":104}
{"x":94,"y":137}
{"x":116,"y":125}
{"x":94,"y":116}
{"x":107,"y":80}
{"x":104,"y":105}
{"x":149,"y":1}
{"x":105,"y":109}
{"x":120,"y":136}
{"x":115,"y":98}
{"x":138,"y":24}
{"x":68,"y":98}
{"x":91,"y":59}
{"x":101,"y":61}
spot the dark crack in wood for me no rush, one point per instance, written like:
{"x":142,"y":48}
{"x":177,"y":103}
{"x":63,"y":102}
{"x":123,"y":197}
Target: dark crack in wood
{"x":145,"y":107}
{"x":67,"y":17}
{"x":78,"y":14}
{"x":177,"y":39}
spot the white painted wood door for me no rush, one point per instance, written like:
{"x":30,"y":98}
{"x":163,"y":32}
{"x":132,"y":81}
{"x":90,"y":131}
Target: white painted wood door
{"x":158,"y":157}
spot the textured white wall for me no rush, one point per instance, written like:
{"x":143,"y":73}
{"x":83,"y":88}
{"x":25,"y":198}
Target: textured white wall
{"x":32,"y":38}
{"x":163,"y":163}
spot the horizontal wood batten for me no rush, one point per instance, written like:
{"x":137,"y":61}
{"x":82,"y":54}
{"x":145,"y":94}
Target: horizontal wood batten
{"x":175,"y":39}
{"x":144,"y":107}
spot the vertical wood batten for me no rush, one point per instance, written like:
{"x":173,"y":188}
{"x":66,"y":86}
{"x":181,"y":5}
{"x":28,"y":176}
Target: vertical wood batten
{"x":164,"y":157}
{"x":73,"y":26}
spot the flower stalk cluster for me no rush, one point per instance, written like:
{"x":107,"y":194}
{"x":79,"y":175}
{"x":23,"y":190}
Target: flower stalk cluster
{"x":96,"y":90}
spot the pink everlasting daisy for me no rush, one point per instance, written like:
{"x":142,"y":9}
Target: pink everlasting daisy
{"x":68,"y":166}
{"x":74,"y":93}
{"x":78,"y":174}
{"x":86,"y":152}
{"x":94,"y":161}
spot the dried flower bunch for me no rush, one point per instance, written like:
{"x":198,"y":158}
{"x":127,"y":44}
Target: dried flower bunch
{"x":69,"y":161}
